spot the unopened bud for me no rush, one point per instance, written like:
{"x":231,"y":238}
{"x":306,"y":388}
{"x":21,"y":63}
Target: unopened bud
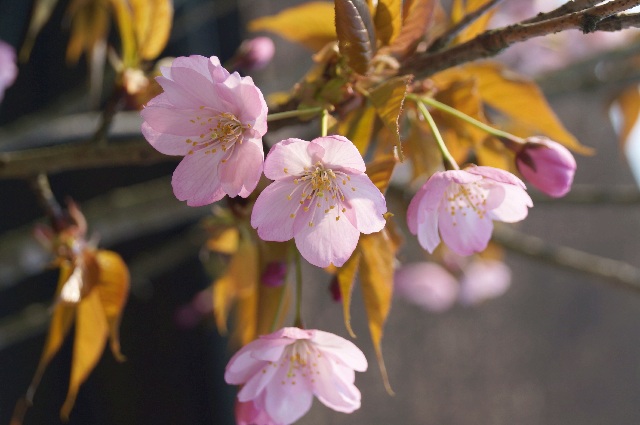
{"x":547,"y":165}
{"x":254,"y":54}
{"x":274,"y":274}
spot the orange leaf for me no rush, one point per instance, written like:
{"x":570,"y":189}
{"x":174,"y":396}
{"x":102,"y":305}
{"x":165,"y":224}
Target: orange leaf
{"x":380,"y":171}
{"x":225,"y":241}
{"x":624,"y":112}
{"x":310,"y":24}
{"x":388,"y":20}
{"x":89,"y":26}
{"x":376,"y":277}
{"x":388,"y":99}
{"x":90,"y":338}
{"x":113,"y":290}
{"x":416,"y":22}
{"x":152,"y":25}
{"x":124,"y":19}
{"x":358,"y":126}
{"x":461,"y":8}
{"x":346,"y":276}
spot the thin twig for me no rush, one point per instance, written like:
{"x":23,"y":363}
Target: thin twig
{"x":492,"y":42}
{"x":567,"y":8}
{"x":470,"y":18}
{"x":623,"y":274}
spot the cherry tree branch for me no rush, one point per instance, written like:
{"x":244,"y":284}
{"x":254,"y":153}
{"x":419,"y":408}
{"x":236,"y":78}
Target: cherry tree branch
{"x":492,"y":42}
{"x":567,"y":8}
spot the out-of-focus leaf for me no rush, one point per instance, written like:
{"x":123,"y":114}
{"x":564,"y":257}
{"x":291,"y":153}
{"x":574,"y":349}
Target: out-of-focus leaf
{"x":465,"y":97}
{"x":517,"y":98}
{"x":272,"y":301}
{"x":380,"y":170}
{"x":416,"y":22}
{"x":310,"y":24}
{"x":42,"y":10}
{"x":113,"y":290}
{"x":245,"y":318}
{"x":356,"y":37}
{"x":388,"y":99}
{"x":152,"y":25}
{"x":225,"y":241}
{"x":90,"y":338}
{"x":358,"y":126}
{"x":376,"y":277}
{"x":346,"y":276}
{"x":388,"y":20}
{"x":493,"y":154}
{"x":421,"y":149}
{"x":125,"y":20}
{"x":240,"y":280}
{"x":89,"y":26}
{"x":462,"y":8}
{"x":624,"y":113}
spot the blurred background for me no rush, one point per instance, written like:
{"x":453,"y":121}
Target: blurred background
{"x":560,"y":347}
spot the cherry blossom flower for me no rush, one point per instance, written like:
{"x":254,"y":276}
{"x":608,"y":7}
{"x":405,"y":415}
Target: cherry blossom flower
{"x":483,"y":280}
{"x":547,"y":165}
{"x":8,"y":67}
{"x":459,"y":205}
{"x":213,"y":118}
{"x":427,"y":285}
{"x":321,"y":196}
{"x":282,"y":371}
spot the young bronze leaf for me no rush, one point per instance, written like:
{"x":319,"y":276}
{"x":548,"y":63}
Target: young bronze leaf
{"x":346,"y":276}
{"x":387,"y":99}
{"x":388,"y":20}
{"x":90,"y":338}
{"x":624,"y":112}
{"x":113,"y":289}
{"x":356,"y":37}
{"x":310,"y":24}
{"x":416,"y":22}
{"x":376,"y":278}
{"x":152,"y":21}
{"x":89,"y":26}
{"x":42,"y":10}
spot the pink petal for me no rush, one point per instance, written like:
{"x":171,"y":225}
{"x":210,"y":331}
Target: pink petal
{"x":422,"y":214}
{"x":254,"y":111}
{"x":497,"y":175}
{"x":340,"y":154}
{"x":333,"y":390}
{"x":514,"y":207}
{"x":271,"y":214}
{"x":428,"y":234}
{"x":167,"y":144}
{"x":172,"y":121}
{"x":290,"y":155}
{"x":258,"y":382}
{"x":327,"y":241}
{"x":466,"y":231}
{"x":461,"y":176}
{"x":341,"y":348}
{"x":483,"y":280}
{"x":366,"y":202}
{"x":194,"y":84}
{"x":427,"y":285}
{"x":243,"y":366}
{"x":240,"y":173}
{"x":287,"y":402}
{"x":195,"y":180}
{"x":207,"y":67}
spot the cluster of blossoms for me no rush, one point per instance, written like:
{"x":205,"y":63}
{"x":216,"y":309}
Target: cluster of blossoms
{"x":322,"y":198}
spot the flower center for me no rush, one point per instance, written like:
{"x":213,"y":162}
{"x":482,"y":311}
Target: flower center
{"x":300,"y":359}
{"x":318,"y":186}
{"x":462,"y":198}
{"x":223,"y":131}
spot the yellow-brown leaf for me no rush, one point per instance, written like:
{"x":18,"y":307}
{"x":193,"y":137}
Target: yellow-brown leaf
{"x":376,"y":278}
{"x":124,"y":20}
{"x":380,"y":171}
{"x":346,"y":276}
{"x":152,"y":20}
{"x":388,"y":20}
{"x":225,"y":241}
{"x":388,"y":99}
{"x":310,"y":24}
{"x":416,"y":22}
{"x":89,"y":26}
{"x":42,"y":10}
{"x":624,"y":112}
{"x":358,"y":126}
{"x":461,"y":8}
{"x":90,"y":338}
{"x":113,"y":290}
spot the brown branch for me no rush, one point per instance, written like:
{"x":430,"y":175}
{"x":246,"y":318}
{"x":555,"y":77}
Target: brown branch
{"x":24,"y":164}
{"x":623,"y":274}
{"x":492,"y":42}
{"x":452,"y":32}
{"x":565,"y":9}
{"x":620,"y":22}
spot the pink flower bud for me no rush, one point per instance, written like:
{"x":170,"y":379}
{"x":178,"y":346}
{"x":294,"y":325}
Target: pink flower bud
{"x":547,"y":165}
{"x":274,"y":274}
{"x":254,"y":54}
{"x":8,"y":67}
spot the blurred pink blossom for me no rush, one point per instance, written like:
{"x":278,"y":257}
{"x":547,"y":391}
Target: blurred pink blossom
{"x":8,"y":67}
{"x":459,"y":205}
{"x":213,"y":118}
{"x":248,"y":414}
{"x":282,"y":371}
{"x":321,"y":197}
{"x":547,"y":165}
{"x":254,"y":54}
{"x":427,"y":285}
{"x":274,"y":274}
{"x":483,"y":280}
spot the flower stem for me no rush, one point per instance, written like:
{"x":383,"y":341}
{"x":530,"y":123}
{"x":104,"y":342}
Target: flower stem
{"x":298,"y":318}
{"x":434,"y":129}
{"x":324,"y":123}
{"x":461,"y":115}
{"x":292,"y":114}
